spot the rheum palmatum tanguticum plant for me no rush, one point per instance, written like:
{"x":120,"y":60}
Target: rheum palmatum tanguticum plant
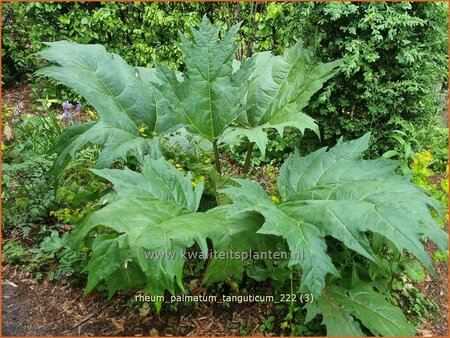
{"x":343,"y":212}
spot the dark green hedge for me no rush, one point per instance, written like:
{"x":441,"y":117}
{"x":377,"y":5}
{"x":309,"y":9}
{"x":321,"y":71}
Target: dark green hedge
{"x":396,"y":64}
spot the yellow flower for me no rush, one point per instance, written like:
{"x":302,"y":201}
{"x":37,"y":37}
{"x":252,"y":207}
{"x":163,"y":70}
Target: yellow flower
{"x":142,"y":129}
{"x":275,"y":199}
{"x":194,"y":184}
{"x":208,"y":161}
{"x":284,"y":325}
{"x":178,"y":165}
{"x":424,"y":157}
{"x":202,"y":178}
{"x":427,"y":156}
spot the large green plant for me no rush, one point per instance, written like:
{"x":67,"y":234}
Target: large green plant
{"x":328,"y":194}
{"x":216,"y":90}
{"x":342,"y":211}
{"x":155,"y":211}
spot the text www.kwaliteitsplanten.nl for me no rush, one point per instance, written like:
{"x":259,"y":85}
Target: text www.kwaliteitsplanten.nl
{"x":224,"y":255}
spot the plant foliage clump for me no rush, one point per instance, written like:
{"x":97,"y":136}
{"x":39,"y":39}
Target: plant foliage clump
{"x":343,"y":211}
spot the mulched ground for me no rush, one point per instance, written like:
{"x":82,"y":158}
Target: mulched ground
{"x":14,"y":95}
{"x":31,"y":308}
{"x":436,"y":289}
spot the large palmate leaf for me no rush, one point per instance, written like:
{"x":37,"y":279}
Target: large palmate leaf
{"x":300,"y":236}
{"x":337,"y":193}
{"x":207,"y":98}
{"x":264,"y":91}
{"x":118,"y":144}
{"x":337,"y":189}
{"x":279,"y":88}
{"x":154,"y":219}
{"x":157,"y":179}
{"x":339,"y":307}
{"x":124,"y":97}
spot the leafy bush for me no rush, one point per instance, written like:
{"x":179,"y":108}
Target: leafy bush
{"x":132,"y":30}
{"x":140,"y":32}
{"x":353,"y":218}
{"x":27,"y":192}
{"x":395,"y":65}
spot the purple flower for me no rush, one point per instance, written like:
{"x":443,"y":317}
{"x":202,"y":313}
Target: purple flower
{"x":78,"y":107}
{"x":18,"y":109}
{"x":67,"y":105}
{"x":66,"y":115}
{"x":19,"y":105}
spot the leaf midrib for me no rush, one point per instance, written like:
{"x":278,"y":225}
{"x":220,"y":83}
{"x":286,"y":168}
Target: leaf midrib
{"x":86,"y":67}
{"x":373,"y":311}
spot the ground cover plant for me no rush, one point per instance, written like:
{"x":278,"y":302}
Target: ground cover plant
{"x":355,"y":219}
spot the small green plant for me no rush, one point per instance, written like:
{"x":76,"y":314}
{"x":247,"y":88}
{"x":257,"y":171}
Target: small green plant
{"x":345,"y":221}
{"x":439,"y":256}
{"x":267,"y":324}
{"x":77,"y":196}
{"x":418,"y":308}
{"x":411,"y":139}
{"x":434,"y":136}
{"x":422,"y":174}
{"x":244,"y":331}
{"x":14,"y":253}
{"x":26,"y":193}
{"x":55,"y":247}
{"x":292,"y":321}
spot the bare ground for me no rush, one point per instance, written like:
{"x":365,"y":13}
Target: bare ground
{"x":435,"y":288}
{"x":31,"y":308}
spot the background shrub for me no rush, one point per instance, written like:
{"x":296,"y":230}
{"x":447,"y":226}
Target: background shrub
{"x":395,"y":66}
